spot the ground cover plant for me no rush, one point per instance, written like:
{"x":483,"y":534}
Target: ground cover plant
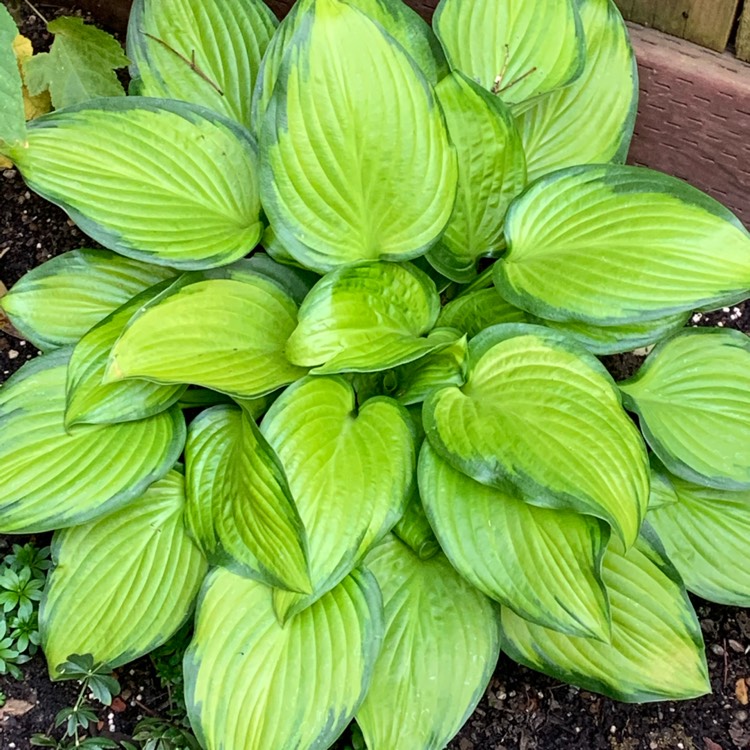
{"x":382,"y":447}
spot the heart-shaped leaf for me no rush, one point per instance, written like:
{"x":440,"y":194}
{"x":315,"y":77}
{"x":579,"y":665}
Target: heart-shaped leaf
{"x":540,"y":416}
{"x":607,"y":245}
{"x":491,"y":172}
{"x":296,"y":686}
{"x":440,"y":649}
{"x":516,"y":50}
{"x":240,"y":508}
{"x":181,"y":182}
{"x":51,"y":478}
{"x":142,"y":567}
{"x":91,"y":401}
{"x":693,"y":399}
{"x":56,"y":303}
{"x":705,"y":533}
{"x":472,"y":313}
{"x":544,"y":564}
{"x":657,"y":650}
{"x":350,"y":470}
{"x":356,"y":159}
{"x":591,"y":121}
{"x":366,"y":318}
{"x":206,"y":51}
{"x":227,"y":334}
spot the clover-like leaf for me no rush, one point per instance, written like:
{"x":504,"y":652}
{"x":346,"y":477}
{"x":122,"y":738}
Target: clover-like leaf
{"x":145,"y":572}
{"x":437,"y":628}
{"x":541,"y":417}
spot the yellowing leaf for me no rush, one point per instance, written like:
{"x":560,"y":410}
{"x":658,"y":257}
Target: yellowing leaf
{"x":34,"y":106}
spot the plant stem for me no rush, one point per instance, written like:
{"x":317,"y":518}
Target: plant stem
{"x":77,"y":708}
{"x":37,"y":12}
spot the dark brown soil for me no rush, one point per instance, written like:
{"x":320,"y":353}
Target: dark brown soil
{"x":521,"y":711}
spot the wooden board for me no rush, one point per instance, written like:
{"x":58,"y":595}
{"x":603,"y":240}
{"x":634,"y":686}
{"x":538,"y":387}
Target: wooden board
{"x":694,"y":117}
{"x":743,"y":34}
{"x":705,"y":22}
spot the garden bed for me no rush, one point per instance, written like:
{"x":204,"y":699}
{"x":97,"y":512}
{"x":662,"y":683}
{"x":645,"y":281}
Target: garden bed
{"x":521,"y":709}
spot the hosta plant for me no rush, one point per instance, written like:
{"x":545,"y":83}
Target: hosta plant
{"x":333,"y":384}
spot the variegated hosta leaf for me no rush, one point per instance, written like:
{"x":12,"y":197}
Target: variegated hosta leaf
{"x":517,"y":50}
{"x":440,"y":649}
{"x":445,"y":366}
{"x":473,"y":312}
{"x":56,"y":303}
{"x":591,"y":121}
{"x":544,"y":564}
{"x":181,"y":183}
{"x":282,"y":687}
{"x":693,"y":399}
{"x":91,"y":401}
{"x":350,"y":468}
{"x":541,"y":417}
{"x":366,"y":318}
{"x":705,"y":533}
{"x":414,"y":530}
{"x":625,"y":337}
{"x":240,"y":508}
{"x":491,"y":172}
{"x":12,"y":119}
{"x":396,"y":17}
{"x":123,"y":584}
{"x":202,"y":51}
{"x":355,"y":155}
{"x":50,"y":478}
{"x":608,"y":245}
{"x":657,"y":650}
{"x":227,"y":334}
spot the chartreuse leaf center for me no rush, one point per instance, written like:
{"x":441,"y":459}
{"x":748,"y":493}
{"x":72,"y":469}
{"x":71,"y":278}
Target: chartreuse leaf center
{"x":541,"y":417}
